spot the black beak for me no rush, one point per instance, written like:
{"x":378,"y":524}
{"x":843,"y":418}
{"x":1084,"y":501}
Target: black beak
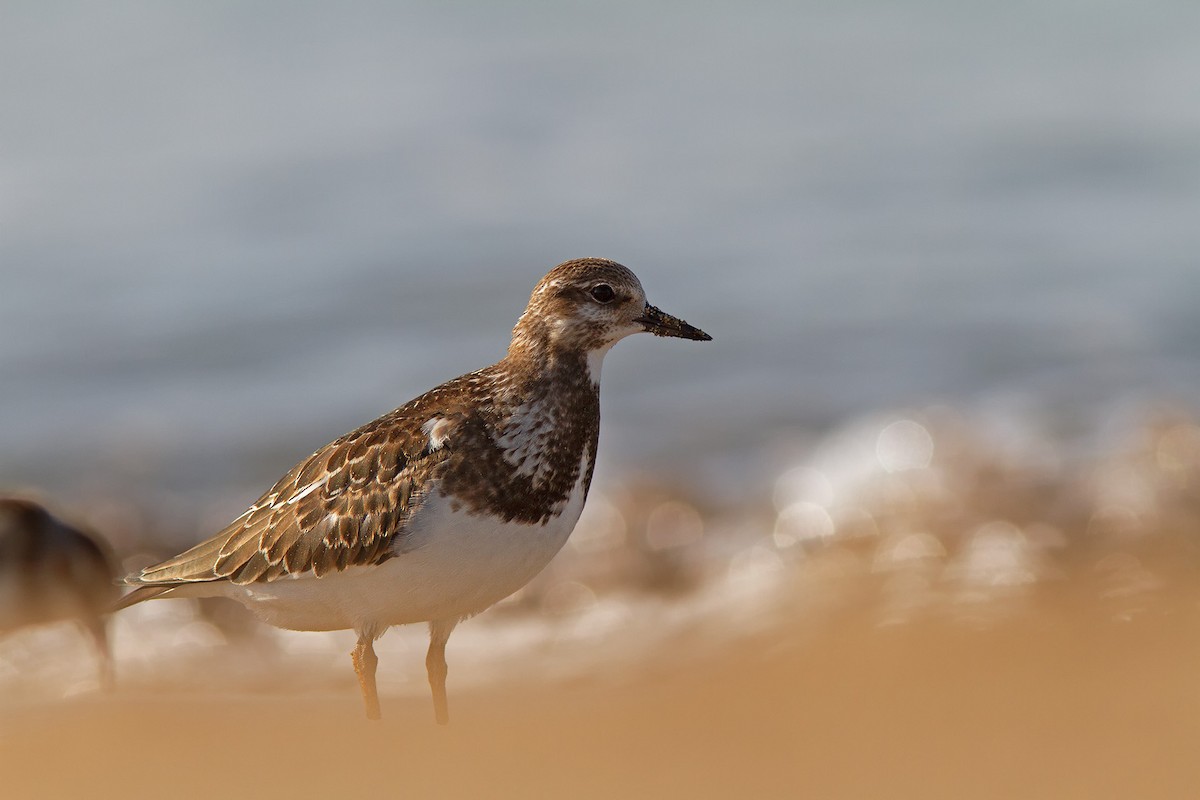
{"x":663,"y":324}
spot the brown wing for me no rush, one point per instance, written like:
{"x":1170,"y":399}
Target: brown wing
{"x":342,"y":506}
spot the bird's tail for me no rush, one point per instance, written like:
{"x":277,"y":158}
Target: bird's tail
{"x":140,"y":594}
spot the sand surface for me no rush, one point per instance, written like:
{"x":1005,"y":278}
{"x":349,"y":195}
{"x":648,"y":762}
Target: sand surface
{"x":1059,"y":700}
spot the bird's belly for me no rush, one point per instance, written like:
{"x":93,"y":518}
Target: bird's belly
{"x":451,"y":564}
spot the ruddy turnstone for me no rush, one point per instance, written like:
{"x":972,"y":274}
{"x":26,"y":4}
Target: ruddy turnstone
{"x":444,"y":506}
{"x":51,"y":572}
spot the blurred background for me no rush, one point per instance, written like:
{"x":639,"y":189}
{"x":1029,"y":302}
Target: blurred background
{"x":948,"y":256}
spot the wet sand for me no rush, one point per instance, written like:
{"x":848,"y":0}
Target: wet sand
{"x":1061,"y":700}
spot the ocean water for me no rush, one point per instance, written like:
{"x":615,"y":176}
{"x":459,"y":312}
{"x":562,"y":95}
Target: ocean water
{"x":231,"y":232}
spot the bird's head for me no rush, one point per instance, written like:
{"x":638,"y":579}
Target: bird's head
{"x":586,"y":306}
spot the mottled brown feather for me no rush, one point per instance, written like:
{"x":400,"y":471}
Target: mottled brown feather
{"x":349,"y":502}
{"x":296,"y":528}
{"x":369,"y":482}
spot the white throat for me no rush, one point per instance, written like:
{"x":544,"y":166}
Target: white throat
{"x":595,"y":362}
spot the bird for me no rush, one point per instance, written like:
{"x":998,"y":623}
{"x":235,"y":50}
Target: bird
{"x":442,"y":507}
{"x":51,"y":571}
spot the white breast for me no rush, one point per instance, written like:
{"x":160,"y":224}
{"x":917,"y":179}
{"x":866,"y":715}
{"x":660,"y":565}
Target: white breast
{"x":449,"y":564}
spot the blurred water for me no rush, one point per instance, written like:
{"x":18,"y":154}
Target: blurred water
{"x":230,"y":232}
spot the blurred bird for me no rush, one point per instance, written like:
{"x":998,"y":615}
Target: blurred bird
{"x":444,"y":506}
{"x":51,"y":572}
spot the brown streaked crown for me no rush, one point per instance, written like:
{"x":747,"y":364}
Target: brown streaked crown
{"x":568,"y":311}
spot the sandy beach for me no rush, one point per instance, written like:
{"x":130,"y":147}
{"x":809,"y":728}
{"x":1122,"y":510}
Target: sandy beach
{"x":1062,"y":700}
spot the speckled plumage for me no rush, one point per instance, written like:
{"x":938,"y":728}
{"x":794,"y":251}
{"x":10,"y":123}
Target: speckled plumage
{"x":507,"y":449}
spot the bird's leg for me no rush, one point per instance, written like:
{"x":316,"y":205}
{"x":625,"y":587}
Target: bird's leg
{"x":365,"y":660}
{"x":435,"y":665}
{"x":97,"y":630}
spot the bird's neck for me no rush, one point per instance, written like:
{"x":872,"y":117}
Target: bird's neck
{"x":552,"y":396}
{"x":537,"y":365}
{"x":537,"y":441}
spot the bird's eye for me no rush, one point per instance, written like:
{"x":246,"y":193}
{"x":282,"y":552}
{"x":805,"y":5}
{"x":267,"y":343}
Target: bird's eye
{"x":603,"y":293}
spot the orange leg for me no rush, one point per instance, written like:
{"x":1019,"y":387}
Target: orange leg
{"x":435,"y":665}
{"x":365,"y":661}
